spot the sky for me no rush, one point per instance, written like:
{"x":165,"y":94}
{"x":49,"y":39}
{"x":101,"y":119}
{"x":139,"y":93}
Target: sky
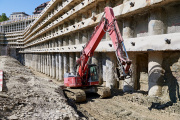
{"x":27,"y":6}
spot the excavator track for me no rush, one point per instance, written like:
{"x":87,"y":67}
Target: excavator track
{"x":104,"y":92}
{"x":77,"y":95}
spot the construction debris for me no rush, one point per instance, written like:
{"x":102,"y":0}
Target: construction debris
{"x":27,"y":96}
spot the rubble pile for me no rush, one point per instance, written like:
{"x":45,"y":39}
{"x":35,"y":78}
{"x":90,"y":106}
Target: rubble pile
{"x":27,"y":96}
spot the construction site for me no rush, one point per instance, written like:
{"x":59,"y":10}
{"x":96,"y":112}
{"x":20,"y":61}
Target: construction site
{"x":92,"y":60}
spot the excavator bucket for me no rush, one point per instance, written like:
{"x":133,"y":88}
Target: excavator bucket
{"x":104,"y":92}
{"x":76,"y":95}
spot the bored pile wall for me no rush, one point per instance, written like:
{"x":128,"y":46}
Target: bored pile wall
{"x":151,"y":62}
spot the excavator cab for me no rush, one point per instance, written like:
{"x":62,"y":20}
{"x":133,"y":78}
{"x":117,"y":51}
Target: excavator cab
{"x":93,"y":74}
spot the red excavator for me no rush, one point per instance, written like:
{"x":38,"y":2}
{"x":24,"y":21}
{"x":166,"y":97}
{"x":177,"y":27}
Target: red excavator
{"x":85,"y":79}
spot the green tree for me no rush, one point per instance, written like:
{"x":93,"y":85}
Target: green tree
{"x":3,"y":17}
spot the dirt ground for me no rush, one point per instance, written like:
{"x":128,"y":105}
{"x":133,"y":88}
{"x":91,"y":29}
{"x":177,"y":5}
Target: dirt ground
{"x":122,"y":106}
{"x":29,"y":95}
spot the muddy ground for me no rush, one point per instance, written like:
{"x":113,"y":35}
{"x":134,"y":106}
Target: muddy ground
{"x":29,"y":95}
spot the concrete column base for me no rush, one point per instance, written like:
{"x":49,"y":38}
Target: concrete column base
{"x":71,"y":62}
{"x":155,"y":72}
{"x":53,"y":66}
{"x":65,"y":61}
{"x":50,"y":65}
{"x":61,"y":75}
{"x":57,"y":66}
{"x":111,"y":81}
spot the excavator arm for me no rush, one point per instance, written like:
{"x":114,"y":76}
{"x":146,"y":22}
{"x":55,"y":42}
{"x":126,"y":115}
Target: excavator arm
{"x":107,"y":24}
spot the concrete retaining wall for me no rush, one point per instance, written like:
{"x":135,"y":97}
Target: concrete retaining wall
{"x":151,"y":35}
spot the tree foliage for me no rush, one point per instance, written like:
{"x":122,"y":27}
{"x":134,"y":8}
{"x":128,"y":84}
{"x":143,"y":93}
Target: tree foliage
{"x":3,"y":17}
